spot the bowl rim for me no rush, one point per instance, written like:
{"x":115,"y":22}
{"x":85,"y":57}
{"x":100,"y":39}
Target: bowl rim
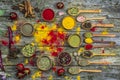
{"x":87,"y":21}
{"x":71,"y":36}
{"x":59,"y":60}
{"x":23,"y":32}
{"x":73,"y":14}
{"x":41,"y":56}
{"x":51,"y":11}
{"x":71,"y":18}
{"x":24,"y":54}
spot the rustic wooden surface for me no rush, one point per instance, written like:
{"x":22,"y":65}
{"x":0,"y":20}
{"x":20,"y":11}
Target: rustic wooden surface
{"x":110,"y":9}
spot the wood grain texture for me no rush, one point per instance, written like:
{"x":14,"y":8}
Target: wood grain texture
{"x":110,"y":10}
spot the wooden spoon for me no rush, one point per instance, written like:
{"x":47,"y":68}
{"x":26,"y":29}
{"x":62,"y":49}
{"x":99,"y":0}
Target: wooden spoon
{"x":89,"y":35}
{"x":87,"y":25}
{"x":75,"y":11}
{"x":86,"y":62}
{"x":90,"y":46}
{"x":83,"y":18}
{"x":90,"y":41}
{"x":89,"y":54}
{"x":77,"y":70}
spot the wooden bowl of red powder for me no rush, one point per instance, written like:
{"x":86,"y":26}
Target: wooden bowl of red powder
{"x":48,"y":14}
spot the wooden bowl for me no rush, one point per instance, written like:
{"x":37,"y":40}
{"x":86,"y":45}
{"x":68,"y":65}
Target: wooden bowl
{"x":48,"y":14}
{"x":27,"y":29}
{"x":86,"y":25}
{"x":73,"y":39}
{"x":26,"y":49}
{"x":64,"y":59}
{"x":68,"y":22}
{"x":44,"y":62}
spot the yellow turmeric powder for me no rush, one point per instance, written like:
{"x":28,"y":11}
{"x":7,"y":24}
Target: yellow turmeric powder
{"x":88,"y":40}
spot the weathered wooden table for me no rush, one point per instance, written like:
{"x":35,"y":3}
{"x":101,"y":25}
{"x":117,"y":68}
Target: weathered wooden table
{"x":110,"y":10}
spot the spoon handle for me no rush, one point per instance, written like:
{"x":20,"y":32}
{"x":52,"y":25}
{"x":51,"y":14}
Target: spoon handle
{"x":104,"y":25}
{"x":91,"y":11}
{"x":96,"y":18}
{"x":101,"y":41}
{"x":103,"y":46}
{"x":105,"y":62}
{"x":104,"y":54}
{"x":90,"y":70}
{"x":104,"y":35}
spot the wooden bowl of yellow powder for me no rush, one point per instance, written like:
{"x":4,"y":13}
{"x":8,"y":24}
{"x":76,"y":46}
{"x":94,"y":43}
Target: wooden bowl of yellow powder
{"x":74,"y":40}
{"x":68,"y":22}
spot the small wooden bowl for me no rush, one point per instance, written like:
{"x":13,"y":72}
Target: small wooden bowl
{"x":48,"y":14}
{"x":59,"y":5}
{"x":27,"y":29}
{"x":25,"y":52}
{"x":62,"y":56}
{"x":40,"y":63}
{"x":86,"y":25}
{"x":87,"y":54}
{"x":68,"y":40}
{"x":68,"y":22}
